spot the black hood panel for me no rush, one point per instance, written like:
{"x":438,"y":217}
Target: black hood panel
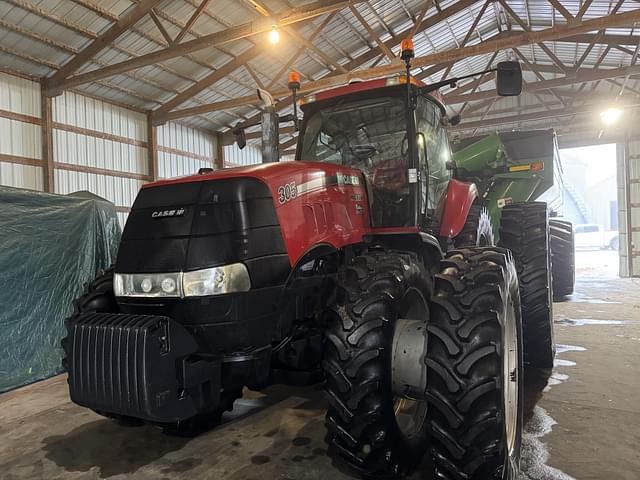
{"x":189,"y":226}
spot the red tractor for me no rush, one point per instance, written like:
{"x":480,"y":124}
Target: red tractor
{"x":363,"y":264}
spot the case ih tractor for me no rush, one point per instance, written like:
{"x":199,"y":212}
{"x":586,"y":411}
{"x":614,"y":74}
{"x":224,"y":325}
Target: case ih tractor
{"x":363,"y":264}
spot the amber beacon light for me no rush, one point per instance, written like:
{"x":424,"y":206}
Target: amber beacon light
{"x":406,"y":49}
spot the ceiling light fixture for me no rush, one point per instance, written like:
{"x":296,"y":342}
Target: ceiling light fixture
{"x":274,"y":35}
{"x":611,"y":115}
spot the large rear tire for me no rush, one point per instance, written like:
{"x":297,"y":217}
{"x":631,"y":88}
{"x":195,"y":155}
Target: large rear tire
{"x":524,"y":229}
{"x":563,"y":264}
{"x":474,"y":367}
{"x":375,"y":432}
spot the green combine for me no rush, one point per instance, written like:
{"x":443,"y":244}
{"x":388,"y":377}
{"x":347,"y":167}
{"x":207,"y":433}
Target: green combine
{"x":515,"y":168}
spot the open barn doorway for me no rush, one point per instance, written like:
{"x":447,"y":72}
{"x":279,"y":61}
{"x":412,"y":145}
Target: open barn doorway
{"x":590,"y":202}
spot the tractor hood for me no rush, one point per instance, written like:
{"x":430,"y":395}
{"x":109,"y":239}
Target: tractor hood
{"x":235,"y":215}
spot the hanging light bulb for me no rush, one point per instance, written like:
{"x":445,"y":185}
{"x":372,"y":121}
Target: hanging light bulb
{"x":611,"y":115}
{"x":274,"y":35}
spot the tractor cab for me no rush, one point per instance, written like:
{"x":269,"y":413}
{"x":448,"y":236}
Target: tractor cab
{"x":366,"y":125}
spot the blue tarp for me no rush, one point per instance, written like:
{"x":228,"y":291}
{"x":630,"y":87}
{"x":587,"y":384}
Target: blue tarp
{"x":50,"y":246}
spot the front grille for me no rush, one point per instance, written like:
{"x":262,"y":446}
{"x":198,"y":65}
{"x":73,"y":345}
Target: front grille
{"x":133,"y":365}
{"x":107,"y":361}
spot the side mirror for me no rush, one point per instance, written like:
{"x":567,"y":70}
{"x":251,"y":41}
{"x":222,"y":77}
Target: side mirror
{"x":241,"y":138}
{"x":509,"y":79}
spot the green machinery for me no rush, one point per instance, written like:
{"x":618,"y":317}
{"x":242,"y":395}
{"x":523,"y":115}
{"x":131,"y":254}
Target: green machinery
{"x":507,"y":167}
{"x":517,"y":167}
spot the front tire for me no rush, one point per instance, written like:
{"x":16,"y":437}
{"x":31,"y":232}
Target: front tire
{"x":365,"y":422}
{"x":524,"y":229}
{"x":474,"y":367}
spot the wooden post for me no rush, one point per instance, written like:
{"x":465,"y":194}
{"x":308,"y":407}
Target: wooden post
{"x":47,"y":139}
{"x":218,"y":161}
{"x":152,"y":149}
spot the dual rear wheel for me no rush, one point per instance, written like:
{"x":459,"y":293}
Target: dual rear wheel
{"x":418,"y":364}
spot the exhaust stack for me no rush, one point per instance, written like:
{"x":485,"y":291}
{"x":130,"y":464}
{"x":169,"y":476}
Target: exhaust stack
{"x":270,"y":129}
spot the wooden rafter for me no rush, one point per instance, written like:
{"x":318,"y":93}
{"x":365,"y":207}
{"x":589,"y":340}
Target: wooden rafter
{"x":519,"y":117}
{"x":209,"y":80}
{"x":295,"y":35}
{"x":581,"y":78}
{"x":464,"y":105}
{"x":376,"y":51}
{"x":469,"y":34}
{"x":160,"y":27}
{"x":191,"y":21}
{"x":253,"y":75}
{"x":423,"y":13}
{"x":583,"y":9}
{"x":230,"y":34}
{"x":488,"y":46}
{"x":285,"y":68}
{"x":126,"y":20}
{"x":526,"y":28}
{"x":386,"y":50}
{"x":561,"y":9}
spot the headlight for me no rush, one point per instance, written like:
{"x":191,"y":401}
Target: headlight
{"x":199,"y":283}
{"x":147,"y":284}
{"x":216,"y":281}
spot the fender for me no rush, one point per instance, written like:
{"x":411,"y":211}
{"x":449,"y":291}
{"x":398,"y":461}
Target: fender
{"x":457,"y":203}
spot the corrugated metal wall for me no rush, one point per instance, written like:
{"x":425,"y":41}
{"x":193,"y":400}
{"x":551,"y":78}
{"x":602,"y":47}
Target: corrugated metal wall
{"x":20,"y":140}
{"x":97,"y":146}
{"x":183,"y":150}
{"x":234,"y":157}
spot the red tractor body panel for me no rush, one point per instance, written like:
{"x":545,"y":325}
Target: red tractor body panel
{"x":316,"y":203}
{"x":458,"y":200}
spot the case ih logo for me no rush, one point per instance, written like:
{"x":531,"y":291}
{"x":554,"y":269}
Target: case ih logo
{"x":179,"y":212}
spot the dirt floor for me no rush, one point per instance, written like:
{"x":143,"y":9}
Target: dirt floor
{"x":583,"y":419}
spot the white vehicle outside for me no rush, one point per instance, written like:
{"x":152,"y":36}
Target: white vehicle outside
{"x":592,"y":236}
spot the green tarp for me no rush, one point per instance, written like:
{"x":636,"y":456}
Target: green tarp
{"x":50,"y":246}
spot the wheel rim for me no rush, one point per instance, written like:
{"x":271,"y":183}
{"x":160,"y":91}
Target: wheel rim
{"x":510,"y":376}
{"x":410,"y":411}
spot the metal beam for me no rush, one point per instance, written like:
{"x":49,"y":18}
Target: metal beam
{"x":230,"y":34}
{"x":128,"y":19}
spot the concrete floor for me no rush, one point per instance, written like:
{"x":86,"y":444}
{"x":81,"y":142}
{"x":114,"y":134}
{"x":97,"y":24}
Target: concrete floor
{"x":583,"y":424}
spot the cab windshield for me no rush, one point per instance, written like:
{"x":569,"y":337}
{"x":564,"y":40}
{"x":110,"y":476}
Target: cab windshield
{"x":358,"y":134}
{"x":371,"y":135}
